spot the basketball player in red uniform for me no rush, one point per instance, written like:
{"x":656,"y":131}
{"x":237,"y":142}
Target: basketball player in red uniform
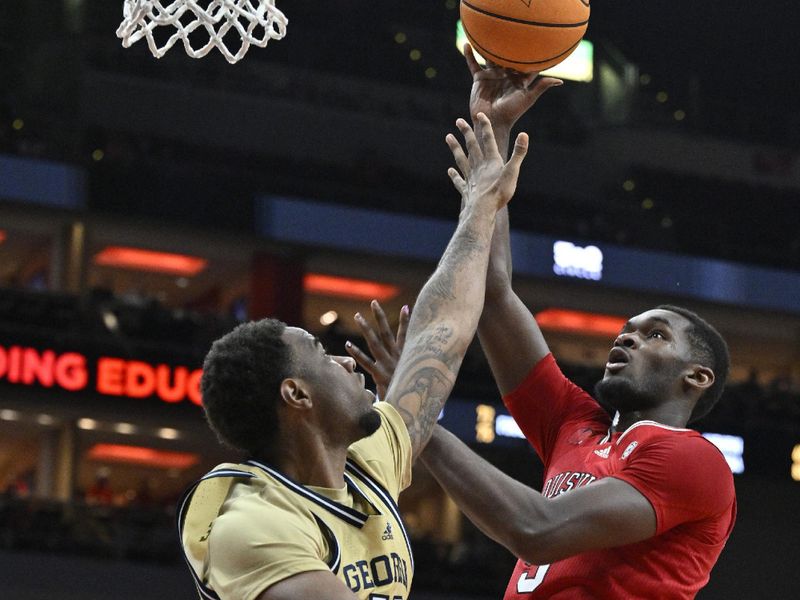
{"x":637,"y":506}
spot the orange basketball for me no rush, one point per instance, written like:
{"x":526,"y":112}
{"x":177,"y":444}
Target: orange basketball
{"x":526,"y":35}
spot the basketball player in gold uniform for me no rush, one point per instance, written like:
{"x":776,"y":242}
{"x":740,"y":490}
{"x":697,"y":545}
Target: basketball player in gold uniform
{"x":312,"y":513}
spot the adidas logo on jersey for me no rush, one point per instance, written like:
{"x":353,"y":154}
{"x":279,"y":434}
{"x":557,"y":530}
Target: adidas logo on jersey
{"x":604,"y":452}
{"x":387,"y":533}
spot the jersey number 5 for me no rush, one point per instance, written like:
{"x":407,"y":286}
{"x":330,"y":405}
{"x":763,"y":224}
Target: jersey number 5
{"x":525,"y":584}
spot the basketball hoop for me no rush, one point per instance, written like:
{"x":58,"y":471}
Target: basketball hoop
{"x":256,"y":21}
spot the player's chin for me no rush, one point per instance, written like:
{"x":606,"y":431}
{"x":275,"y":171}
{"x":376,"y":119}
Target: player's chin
{"x":369,"y":422}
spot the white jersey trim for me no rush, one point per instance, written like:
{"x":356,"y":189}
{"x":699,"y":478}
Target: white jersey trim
{"x":652,"y":424}
{"x":350,"y":515}
{"x":387,"y":499}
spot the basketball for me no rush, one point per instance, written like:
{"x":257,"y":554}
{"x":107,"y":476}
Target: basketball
{"x":525,"y":35}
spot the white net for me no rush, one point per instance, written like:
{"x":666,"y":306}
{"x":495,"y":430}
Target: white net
{"x":256,"y":22}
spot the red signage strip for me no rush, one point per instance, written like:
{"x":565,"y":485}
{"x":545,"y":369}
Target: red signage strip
{"x":575,"y":321}
{"x":150,"y":260}
{"x":345,"y":287}
{"x":108,"y":376}
{"x":140,"y":455}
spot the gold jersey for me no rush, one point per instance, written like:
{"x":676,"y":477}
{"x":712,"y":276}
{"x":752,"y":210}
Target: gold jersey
{"x":245,"y":527}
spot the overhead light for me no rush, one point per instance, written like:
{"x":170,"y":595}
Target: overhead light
{"x":150,"y":260}
{"x":45,"y":420}
{"x":329,"y":318}
{"x":140,"y":455}
{"x":9,"y":415}
{"x":795,"y":472}
{"x":345,"y":287}
{"x":124,"y":428}
{"x":110,"y":320}
{"x":506,"y":426}
{"x":87,"y":423}
{"x":168,"y":433}
{"x":576,"y":321}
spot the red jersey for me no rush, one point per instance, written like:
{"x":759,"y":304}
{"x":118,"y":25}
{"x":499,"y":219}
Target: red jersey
{"x":682,"y":474}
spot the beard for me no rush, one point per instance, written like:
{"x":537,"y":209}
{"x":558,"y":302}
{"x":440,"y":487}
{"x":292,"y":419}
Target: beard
{"x":369,"y":422}
{"x":621,"y":395}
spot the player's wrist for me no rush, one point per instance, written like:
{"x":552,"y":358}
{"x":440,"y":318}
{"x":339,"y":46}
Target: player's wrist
{"x":502,"y":136}
{"x":480,"y":210}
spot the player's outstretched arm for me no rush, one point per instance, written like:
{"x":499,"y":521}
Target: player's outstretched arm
{"x":605,"y":514}
{"x":449,"y":305}
{"x":507,"y":331}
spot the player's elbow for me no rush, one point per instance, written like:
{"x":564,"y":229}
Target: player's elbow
{"x":536,"y":541}
{"x":530,"y":548}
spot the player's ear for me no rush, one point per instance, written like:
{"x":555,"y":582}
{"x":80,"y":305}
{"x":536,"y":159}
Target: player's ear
{"x":699,"y":378}
{"x":294,"y":393}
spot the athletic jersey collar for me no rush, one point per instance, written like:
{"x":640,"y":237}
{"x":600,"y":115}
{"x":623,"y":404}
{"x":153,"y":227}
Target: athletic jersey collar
{"x":348,"y":514}
{"x":609,"y":435}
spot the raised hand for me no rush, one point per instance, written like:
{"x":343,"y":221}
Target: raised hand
{"x":501,"y":94}
{"x":384,"y":346}
{"x":482,"y":175}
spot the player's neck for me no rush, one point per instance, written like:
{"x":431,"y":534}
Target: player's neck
{"x":312,"y":460}
{"x":670,"y":415}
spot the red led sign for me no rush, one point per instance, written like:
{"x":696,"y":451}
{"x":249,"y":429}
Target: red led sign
{"x":112,"y":376}
{"x":150,"y":260}
{"x":140,"y":455}
{"x":575,"y":321}
{"x":345,"y":287}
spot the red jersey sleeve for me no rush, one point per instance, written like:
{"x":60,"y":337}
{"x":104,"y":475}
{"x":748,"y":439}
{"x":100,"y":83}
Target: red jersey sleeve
{"x":684,"y":477}
{"x":545,"y":401}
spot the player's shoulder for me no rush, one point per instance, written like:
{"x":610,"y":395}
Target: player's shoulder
{"x":259,"y":503}
{"x":681,"y":461}
{"x":679,"y":442}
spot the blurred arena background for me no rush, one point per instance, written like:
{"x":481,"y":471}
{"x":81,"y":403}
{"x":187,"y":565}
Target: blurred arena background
{"x":148,"y":206}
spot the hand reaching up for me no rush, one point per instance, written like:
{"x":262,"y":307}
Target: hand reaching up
{"x":503,"y":95}
{"x":384,"y":346}
{"x":482,"y":175}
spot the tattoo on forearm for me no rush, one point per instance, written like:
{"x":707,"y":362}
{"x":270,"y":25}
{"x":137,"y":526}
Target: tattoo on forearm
{"x":426,"y":381}
{"x":441,"y":287}
{"x":440,"y":333}
{"x":420,"y":402}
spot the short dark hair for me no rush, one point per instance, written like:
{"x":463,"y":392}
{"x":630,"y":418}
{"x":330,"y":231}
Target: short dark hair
{"x":710,"y":350}
{"x":242,"y":374}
